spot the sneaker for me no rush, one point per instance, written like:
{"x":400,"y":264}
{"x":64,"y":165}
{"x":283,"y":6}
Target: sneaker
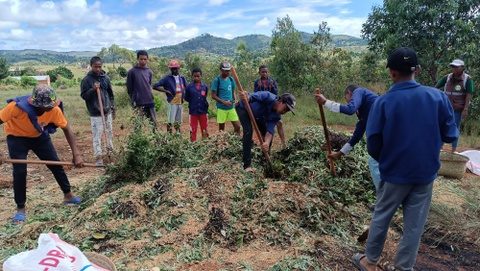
{"x":73,"y":201}
{"x":19,"y":218}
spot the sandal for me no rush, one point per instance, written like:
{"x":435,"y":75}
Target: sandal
{"x":73,"y":201}
{"x":356,"y":261}
{"x":19,"y":218}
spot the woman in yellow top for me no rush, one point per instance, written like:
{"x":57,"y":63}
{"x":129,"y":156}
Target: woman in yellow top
{"x":28,"y":122}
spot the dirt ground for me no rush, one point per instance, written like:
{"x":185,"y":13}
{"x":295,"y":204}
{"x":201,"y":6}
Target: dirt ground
{"x":42,"y":189}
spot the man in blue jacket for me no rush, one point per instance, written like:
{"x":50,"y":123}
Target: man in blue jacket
{"x":173,"y":85}
{"x":405,"y":132}
{"x":267,"y":109}
{"x":359,"y":101}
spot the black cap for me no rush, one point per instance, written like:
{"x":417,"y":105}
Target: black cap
{"x":289,"y":100}
{"x":403,"y":59}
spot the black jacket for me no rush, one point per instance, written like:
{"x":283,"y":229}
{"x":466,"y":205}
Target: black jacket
{"x":89,"y":94}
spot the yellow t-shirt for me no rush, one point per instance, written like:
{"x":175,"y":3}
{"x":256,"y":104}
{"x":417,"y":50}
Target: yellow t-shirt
{"x":16,"y":121}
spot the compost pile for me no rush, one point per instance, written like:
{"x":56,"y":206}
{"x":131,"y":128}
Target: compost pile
{"x":167,"y":200}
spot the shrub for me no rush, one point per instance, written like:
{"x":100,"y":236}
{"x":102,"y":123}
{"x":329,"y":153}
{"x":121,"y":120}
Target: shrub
{"x":27,"y":81}
{"x":60,"y":71}
{"x":64,"y":83}
{"x":113,"y":74}
{"x":122,"y":71}
{"x":10,"y":81}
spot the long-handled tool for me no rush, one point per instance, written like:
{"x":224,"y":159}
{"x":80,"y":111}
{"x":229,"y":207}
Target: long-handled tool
{"x":104,"y":121}
{"x":252,"y":117}
{"x":327,"y":137}
{"x":44,"y":162}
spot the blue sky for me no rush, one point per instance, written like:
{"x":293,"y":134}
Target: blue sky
{"x":69,"y":25}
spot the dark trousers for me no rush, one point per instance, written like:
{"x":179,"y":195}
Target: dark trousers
{"x":248,"y":134}
{"x":18,"y":148}
{"x":148,"y":112}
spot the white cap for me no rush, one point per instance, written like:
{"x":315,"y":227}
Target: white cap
{"x":457,"y":63}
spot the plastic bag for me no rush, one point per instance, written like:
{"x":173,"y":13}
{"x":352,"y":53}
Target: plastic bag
{"x":474,"y":164}
{"x":52,"y":254}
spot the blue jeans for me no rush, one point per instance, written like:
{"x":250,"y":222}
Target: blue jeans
{"x":458,"y":120}
{"x":18,"y":148}
{"x":374,"y":172}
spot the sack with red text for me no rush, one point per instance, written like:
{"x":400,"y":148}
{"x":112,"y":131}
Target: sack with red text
{"x":52,"y":254}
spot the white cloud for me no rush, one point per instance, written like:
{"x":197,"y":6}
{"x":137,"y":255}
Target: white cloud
{"x":172,"y":33}
{"x":263,"y":22}
{"x":16,"y":34}
{"x":151,"y":16}
{"x":7,"y":24}
{"x":37,"y":13}
{"x":308,"y":20}
{"x":111,"y":24}
{"x":217,"y":2}
{"x":228,"y":36}
{"x":84,"y":25}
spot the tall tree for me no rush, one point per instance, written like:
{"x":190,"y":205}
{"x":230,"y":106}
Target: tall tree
{"x":291,"y":55}
{"x":117,"y":55}
{"x":438,"y":30}
{"x":246,"y":65}
{"x":4,"y":73}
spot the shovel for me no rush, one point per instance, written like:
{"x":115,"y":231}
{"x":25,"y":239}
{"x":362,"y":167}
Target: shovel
{"x":252,"y":118}
{"x":104,"y":121}
{"x":327,"y":136}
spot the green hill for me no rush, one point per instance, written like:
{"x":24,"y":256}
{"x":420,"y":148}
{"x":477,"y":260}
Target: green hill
{"x":209,"y":44}
{"x":45,"y":56}
{"x":203,"y":44}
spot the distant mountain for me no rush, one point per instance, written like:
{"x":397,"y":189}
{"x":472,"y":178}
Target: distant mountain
{"x":204,"y":44}
{"x":209,"y":44}
{"x":45,"y":56}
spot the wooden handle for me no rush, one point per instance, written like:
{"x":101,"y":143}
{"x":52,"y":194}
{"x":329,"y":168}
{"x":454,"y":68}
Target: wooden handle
{"x":327,"y":137}
{"x":252,"y":117}
{"x":46,"y":162}
{"x":104,"y":121}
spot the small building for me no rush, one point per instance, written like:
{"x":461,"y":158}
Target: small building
{"x":41,"y":79}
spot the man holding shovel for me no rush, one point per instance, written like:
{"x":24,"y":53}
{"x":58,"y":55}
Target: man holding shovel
{"x":29,"y":120}
{"x":359,"y":101}
{"x":267,"y":108}
{"x":97,"y":92}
